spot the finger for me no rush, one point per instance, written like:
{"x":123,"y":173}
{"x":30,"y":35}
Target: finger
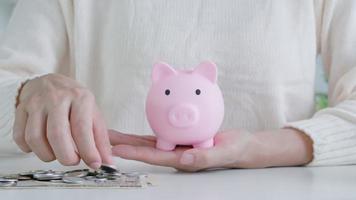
{"x":102,"y":139}
{"x":147,"y":137}
{"x":35,"y":136}
{"x":19,"y":129}
{"x":199,"y":159}
{"x":147,"y":154}
{"x":60,"y":137}
{"x":122,"y":138}
{"x":81,"y":122}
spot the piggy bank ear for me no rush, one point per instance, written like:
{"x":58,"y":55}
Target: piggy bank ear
{"x":208,"y":70}
{"x":162,"y":70}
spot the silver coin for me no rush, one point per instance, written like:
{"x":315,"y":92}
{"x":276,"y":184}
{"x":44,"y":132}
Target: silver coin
{"x":54,"y":172}
{"x":56,"y":181}
{"x":73,"y":180}
{"x":31,"y":173}
{"x":101,"y":176}
{"x":89,"y":178}
{"x":7,"y":182}
{"x":50,"y":175}
{"x":7,"y":179}
{"x":100,"y":180}
{"x":10,"y":176}
{"x":77,"y":173}
{"x":114,"y":174}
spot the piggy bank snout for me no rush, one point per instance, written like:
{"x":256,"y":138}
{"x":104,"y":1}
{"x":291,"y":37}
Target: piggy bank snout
{"x":183,"y":115}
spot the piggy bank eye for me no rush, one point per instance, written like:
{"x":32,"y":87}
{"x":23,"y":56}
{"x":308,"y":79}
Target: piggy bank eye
{"x":197,"y":91}
{"x":167,"y":92}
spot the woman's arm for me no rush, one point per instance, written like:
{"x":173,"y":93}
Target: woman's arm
{"x":283,"y":147}
{"x":52,"y":115}
{"x":333,"y":130}
{"x":34,"y":43}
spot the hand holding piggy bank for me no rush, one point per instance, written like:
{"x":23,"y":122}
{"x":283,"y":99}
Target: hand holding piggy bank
{"x":184,"y":107}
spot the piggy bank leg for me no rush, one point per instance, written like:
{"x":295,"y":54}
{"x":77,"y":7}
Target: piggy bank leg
{"x":164,"y":145}
{"x":206,"y":144}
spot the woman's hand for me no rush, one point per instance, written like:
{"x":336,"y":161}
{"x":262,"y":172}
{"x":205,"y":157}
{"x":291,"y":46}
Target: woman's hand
{"x":228,"y":147}
{"x":232,"y":149}
{"x":57,"y":118}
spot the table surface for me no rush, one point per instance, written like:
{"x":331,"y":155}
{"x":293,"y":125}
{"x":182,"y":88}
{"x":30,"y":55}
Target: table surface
{"x":272,"y":183}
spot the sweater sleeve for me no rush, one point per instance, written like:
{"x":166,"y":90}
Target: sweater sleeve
{"x":333,"y":130}
{"x":34,"y":44}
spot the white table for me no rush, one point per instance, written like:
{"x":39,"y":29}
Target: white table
{"x":274,"y":183}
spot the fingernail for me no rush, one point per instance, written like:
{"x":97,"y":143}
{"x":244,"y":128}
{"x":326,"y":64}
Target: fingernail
{"x":95,"y":165}
{"x":187,"y":159}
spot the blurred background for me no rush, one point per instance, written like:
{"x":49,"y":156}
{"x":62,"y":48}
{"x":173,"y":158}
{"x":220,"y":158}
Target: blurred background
{"x":321,"y":86}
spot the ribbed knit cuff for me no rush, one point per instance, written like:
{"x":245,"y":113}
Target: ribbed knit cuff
{"x":9,"y":88}
{"x":334,"y":139}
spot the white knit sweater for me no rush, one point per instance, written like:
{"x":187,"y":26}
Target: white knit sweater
{"x":265,"y":51}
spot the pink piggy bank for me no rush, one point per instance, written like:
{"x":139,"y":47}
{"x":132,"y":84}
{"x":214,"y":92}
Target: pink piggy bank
{"x":184,"y":107}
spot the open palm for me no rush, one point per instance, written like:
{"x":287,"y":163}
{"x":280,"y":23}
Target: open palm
{"x":230,"y":147}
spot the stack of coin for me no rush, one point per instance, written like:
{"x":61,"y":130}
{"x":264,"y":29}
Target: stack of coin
{"x":78,"y":176}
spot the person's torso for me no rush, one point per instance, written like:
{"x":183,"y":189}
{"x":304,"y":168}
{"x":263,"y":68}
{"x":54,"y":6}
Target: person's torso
{"x":265,"y":52}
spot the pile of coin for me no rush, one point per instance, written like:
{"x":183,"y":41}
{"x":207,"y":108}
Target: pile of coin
{"x":78,"y":176}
